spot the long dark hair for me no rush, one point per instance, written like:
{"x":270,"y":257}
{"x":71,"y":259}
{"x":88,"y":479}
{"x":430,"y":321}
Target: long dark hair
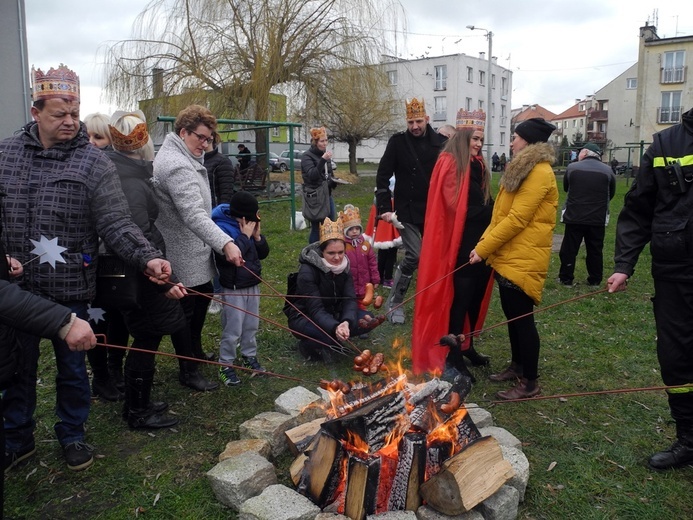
{"x":459,"y":147}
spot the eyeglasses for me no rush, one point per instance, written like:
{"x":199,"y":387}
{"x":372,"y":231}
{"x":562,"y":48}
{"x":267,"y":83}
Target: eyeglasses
{"x":512,"y":138}
{"x":201,"y":138}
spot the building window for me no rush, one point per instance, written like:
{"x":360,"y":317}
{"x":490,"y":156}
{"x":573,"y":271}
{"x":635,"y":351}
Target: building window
{"x":582,"y":123}
{"x":631,"y":83}
{"x":673,"y":70}
{"x":670,"y":111}
{"x":574,"y":123}
{"x":470,"y":75}
{"x":602,"y":128}
{"x":502,"y":138}
{"x":504,"y":86}
{"x":565,"y":124}
{"x":392,"y":77}
{"x":441,"y":72}
{"x":481,"y":105}
{"x":582,"y":107}
{"x":482,"y":77}
{"x":503,"y":116}
{"x":493,"y":81}
{"x":440,"y":108}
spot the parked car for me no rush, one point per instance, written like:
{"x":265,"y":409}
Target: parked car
{"x":278,"y":164}
{"x":284,"y":159}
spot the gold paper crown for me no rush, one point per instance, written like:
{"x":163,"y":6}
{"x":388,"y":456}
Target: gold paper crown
{"x":415,"y":109}
{"x":330,"y":230}
{"x":56,"y":83}
{"x":318,"y":133}
{"x":350,"y":217}
{"x":469,"y":119}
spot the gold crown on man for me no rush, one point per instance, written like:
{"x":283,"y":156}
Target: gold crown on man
{"x":415,"y":109}
{"x":318,"y":133}
{"x":331,"y":229}
{"x":471,"y":119}
{"x":56,"y":83}
{"x":350,"y":217}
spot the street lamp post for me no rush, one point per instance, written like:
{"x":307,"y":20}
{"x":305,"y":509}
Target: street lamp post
{"x":489,"y":104}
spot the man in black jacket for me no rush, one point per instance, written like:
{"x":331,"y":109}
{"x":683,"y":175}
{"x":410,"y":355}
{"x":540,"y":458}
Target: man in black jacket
{"x":23,"y":311}
{"x":659,"y":209}
{"x":590,"y":185}
{"x":410,"y":156}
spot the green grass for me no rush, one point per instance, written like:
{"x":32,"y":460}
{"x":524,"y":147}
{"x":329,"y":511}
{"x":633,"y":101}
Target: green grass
{"x":599,"y":443}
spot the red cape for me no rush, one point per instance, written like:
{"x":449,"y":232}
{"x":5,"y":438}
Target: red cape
{"x":446,"y":212}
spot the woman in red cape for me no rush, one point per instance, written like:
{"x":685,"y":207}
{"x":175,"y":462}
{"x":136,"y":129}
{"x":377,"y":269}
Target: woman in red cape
{"x":458,"y":210}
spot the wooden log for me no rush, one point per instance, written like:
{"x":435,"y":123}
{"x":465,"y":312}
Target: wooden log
{"x":296,"y":468}
{"x":372,"y":422}
{"x":298,"y":438}
{"x":361,"y":394}
{"x":468,"y":478}
{"x":438,"y":452}
{"x":410,"y":474}
{"x":467,"y":432}
{"x":362,"y":486}
{"x":323,"y":470}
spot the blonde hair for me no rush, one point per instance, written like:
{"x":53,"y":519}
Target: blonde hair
{"x":125,"y":125}
{"x":97,"y":123}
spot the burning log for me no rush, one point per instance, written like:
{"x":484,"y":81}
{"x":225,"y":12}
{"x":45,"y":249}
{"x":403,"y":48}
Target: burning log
{"x":468,"y":478}
{"x":299,"y":438}
{"x":467,"y":432}
{"x":372,"y":422}
{"x":410,"y":474}
{"x":438,"y":452}
{"x":362,"y":486}
{"x":361,"y":394}
{"x":323,"y":470}
{"x":296,"y":468}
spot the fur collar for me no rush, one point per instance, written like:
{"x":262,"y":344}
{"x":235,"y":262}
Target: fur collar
{"x":518,"y":169}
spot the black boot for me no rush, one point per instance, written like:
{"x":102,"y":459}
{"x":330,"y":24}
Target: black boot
{"x":104,"y":388}
{"x":676,"y":456}
{"x":141,"y":413}
{"x":190,"y":376}
{"x":475,"y":358}
{"x":116,"y":375}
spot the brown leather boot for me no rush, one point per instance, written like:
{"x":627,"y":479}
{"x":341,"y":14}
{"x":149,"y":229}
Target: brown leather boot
{"x":512,"y":373}
{"x":523,"y":390}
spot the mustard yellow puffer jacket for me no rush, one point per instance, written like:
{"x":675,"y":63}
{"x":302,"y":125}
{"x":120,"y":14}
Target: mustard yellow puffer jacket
{"x":517,"y":243}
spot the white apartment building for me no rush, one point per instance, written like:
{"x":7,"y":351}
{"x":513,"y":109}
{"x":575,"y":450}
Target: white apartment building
{"x":446,"y":83}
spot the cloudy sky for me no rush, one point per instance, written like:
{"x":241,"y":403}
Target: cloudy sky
{"x":557,"y":52}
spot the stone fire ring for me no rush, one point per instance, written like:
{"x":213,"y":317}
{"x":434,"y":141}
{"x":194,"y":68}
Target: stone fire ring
{"x":246,"y":481}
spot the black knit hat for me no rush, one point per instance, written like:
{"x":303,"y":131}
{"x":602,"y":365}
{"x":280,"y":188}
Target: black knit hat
{"x":535,"y":130}
{"x":244,"y":204}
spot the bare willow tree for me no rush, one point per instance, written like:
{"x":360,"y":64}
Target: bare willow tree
{"x":239,"y":50}
{"x":355,"y":103}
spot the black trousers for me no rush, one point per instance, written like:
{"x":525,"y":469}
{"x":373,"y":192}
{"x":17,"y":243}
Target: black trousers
{"x":524,"y":338}
{"x":594,"y":245}
{"x":673,"y":311}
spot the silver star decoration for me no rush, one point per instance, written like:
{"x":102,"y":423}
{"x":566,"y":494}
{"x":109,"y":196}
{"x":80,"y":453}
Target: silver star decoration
{"x":48,"y":251}
{"x":96,"y":314}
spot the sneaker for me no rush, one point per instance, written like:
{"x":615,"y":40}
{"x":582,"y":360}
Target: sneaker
{"x":252,"y":363}
{"x":79,"y":455}
{"x":228,"y":376}
{"x":15,"y":458}
{"x":214,"y":307}
{"x":387,"y":284}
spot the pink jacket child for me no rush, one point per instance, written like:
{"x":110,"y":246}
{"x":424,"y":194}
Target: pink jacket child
{"x":363,"y":264}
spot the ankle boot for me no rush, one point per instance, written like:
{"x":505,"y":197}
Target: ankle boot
{"x":512,"y":373}
{"x":116,"y":375}
{"x":525,"y":389}
{"x":190,"y":376}
{"x":476,"y":358}
{"x":103,"y":387}
{"x":141,"y":413}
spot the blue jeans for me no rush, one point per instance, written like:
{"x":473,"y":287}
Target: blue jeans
{"x":411,"y":242}
{"x":73,"y":397}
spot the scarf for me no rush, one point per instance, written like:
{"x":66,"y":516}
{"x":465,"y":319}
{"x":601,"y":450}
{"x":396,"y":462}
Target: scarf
{"x":336,"y":269}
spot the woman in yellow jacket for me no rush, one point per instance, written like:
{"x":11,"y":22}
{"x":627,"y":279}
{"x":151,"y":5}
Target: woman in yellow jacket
{"x":517,"y":244}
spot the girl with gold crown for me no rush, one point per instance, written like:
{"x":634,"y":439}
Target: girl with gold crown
{"x":329,"y":314}
{"x":459,"y":199}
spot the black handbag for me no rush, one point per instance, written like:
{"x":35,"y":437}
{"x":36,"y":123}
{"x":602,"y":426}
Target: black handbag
{"x":117,"y":284}
{"x":316,"y":202}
